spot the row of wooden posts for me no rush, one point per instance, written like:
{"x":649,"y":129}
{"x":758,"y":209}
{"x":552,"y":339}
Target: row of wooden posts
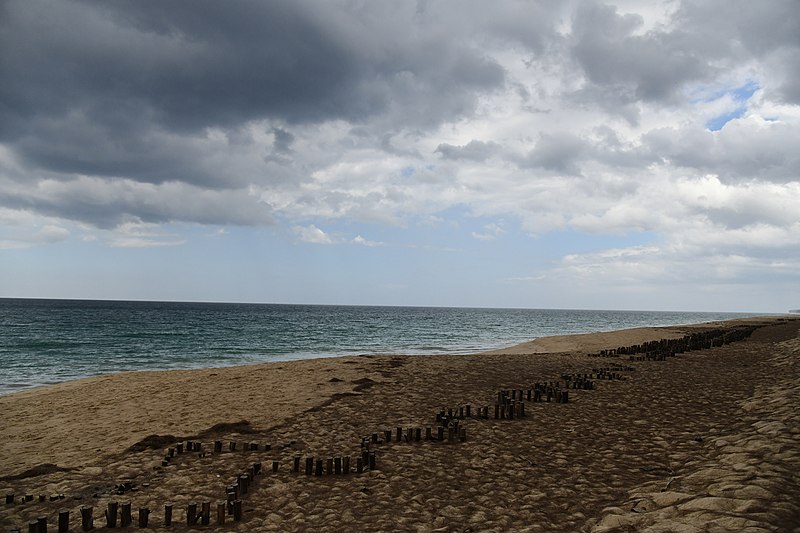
{"x":661,"y":349}
{"x":120,"y":513}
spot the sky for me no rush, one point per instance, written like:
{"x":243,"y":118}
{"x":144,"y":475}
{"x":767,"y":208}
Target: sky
{"x":535,"y":154}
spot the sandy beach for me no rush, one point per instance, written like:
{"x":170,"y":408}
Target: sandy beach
{"x":648,"y":440}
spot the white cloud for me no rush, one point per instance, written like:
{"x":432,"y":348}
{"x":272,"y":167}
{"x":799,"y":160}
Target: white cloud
{"x":358,"y":239}
{"x":313,"y":235}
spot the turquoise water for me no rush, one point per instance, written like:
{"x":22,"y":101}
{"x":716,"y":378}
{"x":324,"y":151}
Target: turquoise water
{"x":50,"y":341}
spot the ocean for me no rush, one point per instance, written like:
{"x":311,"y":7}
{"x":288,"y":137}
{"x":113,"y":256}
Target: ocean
{"x":50,"y":341}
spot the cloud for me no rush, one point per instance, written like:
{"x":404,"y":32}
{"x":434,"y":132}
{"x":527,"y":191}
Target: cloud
{"x":312,"y":234}
{"x":492,"y":231}
{"x":358,"y":239}
{"x":673,"y":121}
{"x":473,"y":150}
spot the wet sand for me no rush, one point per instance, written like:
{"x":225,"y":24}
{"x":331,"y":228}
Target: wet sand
{"x":707,"y":440}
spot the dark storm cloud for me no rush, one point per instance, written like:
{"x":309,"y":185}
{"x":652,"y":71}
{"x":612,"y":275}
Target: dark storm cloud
{"x":559,"y":152}
{"x":625,"y":66}
{"x":89,"y":86}
{"x":473,"y":150}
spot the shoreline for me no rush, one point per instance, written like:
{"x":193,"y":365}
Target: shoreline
{"x":90,"y":428}
{"x":542,"y":344}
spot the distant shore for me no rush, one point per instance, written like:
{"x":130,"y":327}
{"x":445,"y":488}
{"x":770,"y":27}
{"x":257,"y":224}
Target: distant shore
{"x":707,"y":435}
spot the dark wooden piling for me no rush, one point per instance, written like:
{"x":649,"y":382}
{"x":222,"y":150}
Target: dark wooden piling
{"x":359,"y":465}
{"x":296,"y":464}
{"x":372,"y":461}
{"x":125,"y":518}
{"x":41,"y":524}
{"x":167,"y":514}
{"x":221,"y":513}
{"x":111,"y":514}
{"x":329,"y":466}
{"x":275,"y":466}
{"x":144,"y":516}
{"x":191,"y":514}
{"x":63,"y":521}
{"x":309,"y":465}
{"x":237,"y":511}
{"x":318,"y":469}
{"x":9,"y":499}
{"x":337,"y":465}
{"x":440,"y":433}
{"x":217,"y":446}
{"x":346,"y":464}
{"x":399,"y":435}
{"x":387,"y":435}
{"x":87,"y":520}
{"x":205,"y":513}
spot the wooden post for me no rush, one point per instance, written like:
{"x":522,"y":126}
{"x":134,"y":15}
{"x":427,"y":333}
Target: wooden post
{"x":337,"y":465}
{"x":63,"y":521}
{"x":329,"y":465}
{"x":191,"y":514}
{"x":318,"y":470}
{"x":275,"y":466}
{"x":220,"y":513}
{"x":244,"y":483}
{"x":9,"y":499}
{"x":427,"y":433}
{"x":296,"y":466}
{"x":372,"y":461}
{"x":144,"y":516}
{"x":374,"y":438}
{"x":217,"y":446}
{"x":179,"y":448}
{"x":309,"y":465}
{"x":469,"y":410}
{"x":237,"y":511}
{"x":257,"y":469}
{"x":125,"y":516}
{"x":346,"y":464}
{"x":387,"y":435}
{"x":359,"y":465}
{"x":87,"y":521}
{"x":450,"y":435}
{"x":409,"y":434}
{"x":462,"y":435}
{"x":440,"y":433}
{"x":232,"y":446}
{"x":205,"y":516}
{"x":399,"y":435}
{"x":167,"y":514}
{"x":111,"y":514}
{"x":417,"y":434}
{"x":231,"y":497}
{"x":33,"y":526}
{"x":41,"y":524}
{"x":496,"y":411}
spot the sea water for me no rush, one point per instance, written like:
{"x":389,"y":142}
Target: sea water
{"x":50,"y":341}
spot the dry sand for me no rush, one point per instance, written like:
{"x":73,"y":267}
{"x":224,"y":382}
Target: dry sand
{"x":708,"y":440}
